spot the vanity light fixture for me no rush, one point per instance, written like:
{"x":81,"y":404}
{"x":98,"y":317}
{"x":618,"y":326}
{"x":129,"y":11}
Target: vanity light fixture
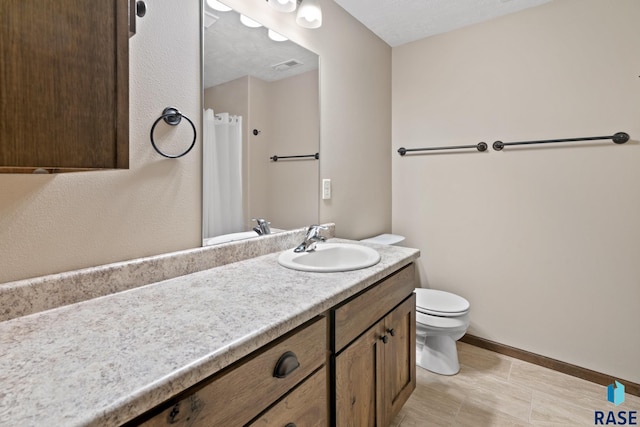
{"x":276,"y":37}
{"x":309,"y":14}
{"x":216,"y":5}
{"x":249,"y":22}
{"x":283,"y":5}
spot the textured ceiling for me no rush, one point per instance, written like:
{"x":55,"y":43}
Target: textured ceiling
{"x":232,"y":50}
{"x":402,"y":21}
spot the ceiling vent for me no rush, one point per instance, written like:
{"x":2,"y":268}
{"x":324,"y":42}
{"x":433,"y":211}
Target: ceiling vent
{"x":286,"y":65}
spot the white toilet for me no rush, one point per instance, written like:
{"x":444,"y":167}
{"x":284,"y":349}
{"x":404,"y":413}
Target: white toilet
{"x":442,"y":318}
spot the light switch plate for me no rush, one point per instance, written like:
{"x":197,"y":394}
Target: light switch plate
{"x":326,"y":189}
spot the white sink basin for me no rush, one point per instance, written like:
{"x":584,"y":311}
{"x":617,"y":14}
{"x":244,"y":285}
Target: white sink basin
{"x":330,"y":257}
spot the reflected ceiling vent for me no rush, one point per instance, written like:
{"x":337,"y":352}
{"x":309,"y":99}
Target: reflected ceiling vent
{"x":286,"y":65}
{"x":209,"y":19}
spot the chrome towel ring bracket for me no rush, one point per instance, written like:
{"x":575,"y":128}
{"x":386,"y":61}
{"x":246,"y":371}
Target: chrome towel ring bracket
{"x":172,"y":116}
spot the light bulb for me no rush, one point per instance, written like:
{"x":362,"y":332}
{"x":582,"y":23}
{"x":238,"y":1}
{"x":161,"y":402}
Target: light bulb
{"x":309,"y":14}
{"x":276,"y":37}
{"x":249,"y":22}
{"x":283,"y":5}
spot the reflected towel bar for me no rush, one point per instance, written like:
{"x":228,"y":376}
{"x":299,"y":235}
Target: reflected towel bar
{"x":481,"y":146}
{"x":618,"y":138}
{"x":306,"y":156}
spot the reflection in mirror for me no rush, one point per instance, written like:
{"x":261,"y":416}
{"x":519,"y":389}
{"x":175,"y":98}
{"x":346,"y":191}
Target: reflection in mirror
{"x":261,"y":99}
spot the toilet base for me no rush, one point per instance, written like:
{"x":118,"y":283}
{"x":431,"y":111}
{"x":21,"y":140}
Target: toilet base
{"x":438,"y":354}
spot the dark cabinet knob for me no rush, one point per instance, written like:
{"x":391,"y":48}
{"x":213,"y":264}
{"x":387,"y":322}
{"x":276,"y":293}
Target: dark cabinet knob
{"x":173,"y":415}
{"x":385,"y":339}
{"x":286,"y":364}
{"x":392,"y":332}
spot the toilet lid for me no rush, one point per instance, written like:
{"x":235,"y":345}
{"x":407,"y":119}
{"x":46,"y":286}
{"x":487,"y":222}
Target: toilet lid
{"x":441,"y":303}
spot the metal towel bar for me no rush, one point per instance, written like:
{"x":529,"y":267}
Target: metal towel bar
{"x":481,"y":146}
{"x":306,"y":156}
{"x":618,"y":138}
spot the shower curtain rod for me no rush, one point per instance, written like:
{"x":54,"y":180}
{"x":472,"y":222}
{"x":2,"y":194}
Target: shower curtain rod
{"x":618,"y":138}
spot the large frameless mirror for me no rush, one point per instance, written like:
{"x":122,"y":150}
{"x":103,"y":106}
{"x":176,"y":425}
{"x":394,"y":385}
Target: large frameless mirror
{"x":261,"y":129}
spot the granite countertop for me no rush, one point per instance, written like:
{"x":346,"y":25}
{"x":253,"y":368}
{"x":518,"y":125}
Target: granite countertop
{"x":104,"y":361}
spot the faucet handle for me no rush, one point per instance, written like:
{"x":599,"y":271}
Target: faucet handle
{"x":317,"y":227}
{"x":313,"y":231}
{"x":312,"y":237}
{"x":263,"y":226}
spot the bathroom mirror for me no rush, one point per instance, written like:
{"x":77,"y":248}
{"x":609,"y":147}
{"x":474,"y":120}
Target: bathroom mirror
{"x":260,"y":100}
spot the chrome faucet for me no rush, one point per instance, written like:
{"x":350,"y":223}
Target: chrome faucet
{"x":311,"y":239}
{"x":263,"y":226}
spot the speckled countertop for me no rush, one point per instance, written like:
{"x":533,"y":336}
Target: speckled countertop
{"x":103,"y":361}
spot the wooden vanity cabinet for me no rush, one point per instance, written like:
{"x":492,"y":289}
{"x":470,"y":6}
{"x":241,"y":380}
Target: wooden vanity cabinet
{"x":375,"y":373}
{"x":354,"y":366}
{"x":64,"y":94}
{"x":238,"y":394}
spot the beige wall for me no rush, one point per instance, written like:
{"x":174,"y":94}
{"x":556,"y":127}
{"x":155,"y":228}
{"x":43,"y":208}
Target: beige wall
{"x":544,"y":241}
{"x":258,"y":203}
{"x":231,"y":97}
{"x":57,"y":223}
{"x":293,"y":188}
{"x":63,"y":222}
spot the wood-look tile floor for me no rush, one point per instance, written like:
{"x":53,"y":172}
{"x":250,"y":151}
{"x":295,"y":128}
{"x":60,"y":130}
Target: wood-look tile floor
{"x":496,"y":390}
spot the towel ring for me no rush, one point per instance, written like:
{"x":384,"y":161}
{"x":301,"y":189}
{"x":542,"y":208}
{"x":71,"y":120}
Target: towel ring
{"x":172,"y":116}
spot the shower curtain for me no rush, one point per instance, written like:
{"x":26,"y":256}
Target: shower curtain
{"x":222,"y":174}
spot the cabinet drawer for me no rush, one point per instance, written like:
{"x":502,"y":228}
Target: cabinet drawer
{"x":306,"y":406}
{"x":241,"y":393}
{"x":357,"y":315}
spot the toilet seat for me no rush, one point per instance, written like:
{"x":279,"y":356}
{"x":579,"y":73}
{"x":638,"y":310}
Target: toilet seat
{"x":440,"y":303}
{"x":440,"y":313}
{"x":442,"y":322}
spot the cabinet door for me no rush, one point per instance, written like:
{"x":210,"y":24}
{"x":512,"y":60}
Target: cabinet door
{"x":306,"y":406}
{"x":64,"y":85}
{"x":359,"y":376}
{"x":400,"y":356}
